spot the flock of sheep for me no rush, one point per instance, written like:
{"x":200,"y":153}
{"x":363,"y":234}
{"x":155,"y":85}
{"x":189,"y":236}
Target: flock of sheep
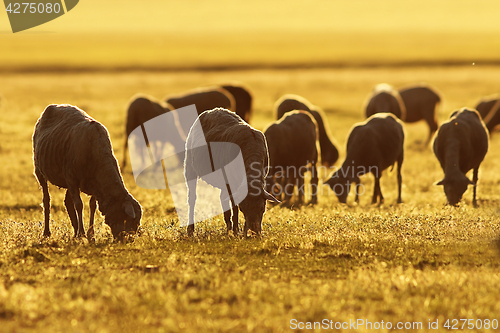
{"x":73,"y":151}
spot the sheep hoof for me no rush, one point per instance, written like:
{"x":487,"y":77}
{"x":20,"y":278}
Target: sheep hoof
{"x":46,"y":234}
{"x":400,"y":201}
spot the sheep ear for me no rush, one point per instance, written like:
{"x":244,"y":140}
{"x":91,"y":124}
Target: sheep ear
{"x":269,"y":196}
{"x":129,"y":209}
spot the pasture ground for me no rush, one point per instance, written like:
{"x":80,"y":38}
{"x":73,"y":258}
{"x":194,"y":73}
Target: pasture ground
{"x":413,"y":262}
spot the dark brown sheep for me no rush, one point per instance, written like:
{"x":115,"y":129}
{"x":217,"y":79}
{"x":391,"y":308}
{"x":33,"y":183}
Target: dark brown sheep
{"x":142,"y":109}
{"x":291,"y":142}
{"x":290,"y":102}
{"x":73,"y":151}
{"x":223,"y":126}
{"x":207,"y":98}
{"x":421,"y":103}
{"x":384,"y":98}
{"x":460,"y":145}
{"x":372,"y":146}
{"x":243,"y":99}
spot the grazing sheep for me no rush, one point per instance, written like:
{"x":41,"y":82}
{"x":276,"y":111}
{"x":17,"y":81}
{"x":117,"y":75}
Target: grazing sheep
{"x":488,"y":109}
{"x":142,"y":109}
{"x":204,"y":98}
{"x":384,"y":98}
{"x":222,"y":125}
{"x":372,"y":146}
{"x":73,"y":151}
{"x":460,"y":145}
{"x":291,"y":142}
{"x":290,"y":102}
{"x":243,"y":99}
{"x":421,"y":103}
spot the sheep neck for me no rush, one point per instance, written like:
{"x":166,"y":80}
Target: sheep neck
{"x":452,"y":157}
{"x":110,"y":188}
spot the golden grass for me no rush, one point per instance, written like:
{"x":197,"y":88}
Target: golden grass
{"x":412,"y":262}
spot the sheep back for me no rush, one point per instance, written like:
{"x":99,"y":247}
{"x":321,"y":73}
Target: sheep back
{"x":204,"y":99}
{"x":376,"y":142}
{"x":221,"y":125}
{"x":420,"y":102}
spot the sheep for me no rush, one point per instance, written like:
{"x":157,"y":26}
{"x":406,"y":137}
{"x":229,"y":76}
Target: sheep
{"x":488,"y":109}
{"x":290,"y":102}
{"x":460,"y":145}
{"x":206,"y":98}
{"x":222,"y":125}
{"x":384,"y":98}
{"x":243,"y":99}
{"x":372,"y":146}
{"x":142,"y":109}
{"x":291,"y":142}
{"x":421,"y":102}
{"x":73,"y":151}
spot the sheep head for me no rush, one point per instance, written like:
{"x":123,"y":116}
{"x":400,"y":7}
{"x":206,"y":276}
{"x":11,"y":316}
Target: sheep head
{"x":253,"y":208}
{"x":124,"y":219}
{"x":455,"y":187}
{"x":341,"y":185}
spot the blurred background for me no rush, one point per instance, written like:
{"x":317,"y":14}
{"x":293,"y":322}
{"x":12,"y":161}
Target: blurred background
{"x":220,"y":34}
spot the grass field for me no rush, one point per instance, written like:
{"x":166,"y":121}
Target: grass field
{"x":412,"y":263}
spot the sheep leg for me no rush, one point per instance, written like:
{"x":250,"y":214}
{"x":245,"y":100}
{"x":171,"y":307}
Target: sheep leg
{"x":301,"y":187}
{"x":356,"y":199}
{"x":400,"y":179}
{"x":70,"y":208}
{"x":191,"y":202}
{"x":226,"y":208}
{"x":377,"y":192}
{"x":474,"y":180}
{"x":236,"y":228}
{"x":288,"y":194}
{"x":314,"y":184}
{"x":92,"y":206}
{"x":78,"y":204}
{"x":46,"y":202}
